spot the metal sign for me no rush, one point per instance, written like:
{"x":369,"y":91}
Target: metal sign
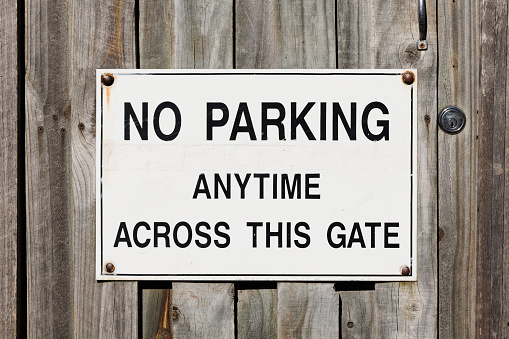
{"x":305,"y":175}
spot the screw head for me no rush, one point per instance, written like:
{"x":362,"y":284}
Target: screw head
{"x":408,"y":77}
{"x":110,"y":267}
{"x":40,"y":129}
{"x":349,"y":324}
{"x":81,"y":126}
{"x":405,"y":270}
{"x":107,"y":79}
{"x":62,"y":130}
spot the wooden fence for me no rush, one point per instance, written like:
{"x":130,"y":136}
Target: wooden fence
{"x":49,"y":50}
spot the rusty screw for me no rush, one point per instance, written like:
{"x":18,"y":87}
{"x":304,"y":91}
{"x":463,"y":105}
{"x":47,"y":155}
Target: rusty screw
{"x":408,"y":77}
{"x":427,"y":119}
{"x":40,"y":129}
{"x":349,"y":324}
{"x":110,"y":267}
{"x":405,"y":270}
{"x":107,"y":79}
{"x":81,"y":126}
{"x":62,"y":130}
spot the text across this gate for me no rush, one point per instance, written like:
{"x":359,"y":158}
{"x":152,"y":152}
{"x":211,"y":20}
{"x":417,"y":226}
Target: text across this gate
{"x":256,"y":175}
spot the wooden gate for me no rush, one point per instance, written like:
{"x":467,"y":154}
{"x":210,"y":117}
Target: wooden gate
{"x":49,"y":50}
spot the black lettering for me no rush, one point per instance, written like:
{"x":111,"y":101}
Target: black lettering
{"x":211,"y":106}
{"x":135,"y":234}
{"x":164,"y":235}
{"x":122,"y":229}
{"x":310,"y":185}
{"x":278,"y":234}
{"x":261,"y":176}
{"x":129,"y":113}
{"x":341,"y":236}
{"x":300,"y":120}
{"x":323,"y":121}
{"x":178,"y":121}
{"x":278,"y":122}
{"x":189,"y":234}
{"x":243,"y":110}
{"x":302,"y":235}
{"x":288,"y":234}
{"x":218,"y":182}
{"x":373,"y":226}
{"x":242,"y":184}
{"x":201,"y":181}
{"x":255,"y":225}
{"x":203,"y":235}
{"x":381,"y":123}
{"x":356,"y":229}
{"x":351,"y":129}
{"x":223,"y":235}
{"x":285,"y":186}
{"x":390,"y":235}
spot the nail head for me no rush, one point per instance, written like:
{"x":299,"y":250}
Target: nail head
{"x":408,"y":77}
{"x":349,"y":324}
{"x":110,"y":267}
{"x":405,"y":270}
{"x":40,"y":129}
{"x":107,"y":79}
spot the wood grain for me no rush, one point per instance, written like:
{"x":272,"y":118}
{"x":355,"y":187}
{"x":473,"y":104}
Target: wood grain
{"x":285,"y":34}
{"x":48,"y":170}
{"x":459,"y":50}
{"x":493,"y":263}
{"x":358,"y":314}
{"x":307,"y":311}
{"x":203,"y":310}
{"x":382,"y":34}
{"x":192,"y":34}
{"x":102,"y":37}
{"x":257,"y":314}
{"x":9,"y":169}
{"x":156,"y":313}
{"x":186,"y":34}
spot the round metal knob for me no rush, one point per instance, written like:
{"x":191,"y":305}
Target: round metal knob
{"x":452,"y":120}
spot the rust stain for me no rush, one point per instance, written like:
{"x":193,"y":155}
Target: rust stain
{"x":441,"y":234}
{"x":116,"y":39}
{"x":107,"y":93}
{"x":164,"y":331}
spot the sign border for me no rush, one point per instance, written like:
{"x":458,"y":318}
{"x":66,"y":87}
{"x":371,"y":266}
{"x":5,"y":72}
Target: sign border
{"x":101,"y":275}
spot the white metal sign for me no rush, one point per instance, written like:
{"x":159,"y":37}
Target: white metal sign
{"x":305,"y":175}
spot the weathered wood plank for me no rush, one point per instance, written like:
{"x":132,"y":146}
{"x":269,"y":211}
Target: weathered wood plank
{"x":382,"y":34}
{"x":203,"y":310}
{"x":285,"y":34}
{"x":102,"y":37}
{"x":292,"y":34}
{"x":48,"y":170}
{"x":156,"y":313}
{"x":192,"y":34}
{"x":307,"y":311}
{"x":186,"y":34}
{"x":358,"y":314}
{"x":459,"y":49}
{"x":9,"y":169}
{"x":257,"y":314}
{"x":492,"y":282}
